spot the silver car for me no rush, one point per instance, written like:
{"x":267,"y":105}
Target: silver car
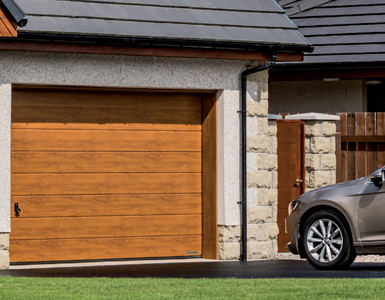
{"x":330,"y":226}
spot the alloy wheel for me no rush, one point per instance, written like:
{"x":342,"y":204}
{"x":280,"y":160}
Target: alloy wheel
{"x":324,"y":240}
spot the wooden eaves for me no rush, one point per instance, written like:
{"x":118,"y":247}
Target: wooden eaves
{"x":8,"y":27}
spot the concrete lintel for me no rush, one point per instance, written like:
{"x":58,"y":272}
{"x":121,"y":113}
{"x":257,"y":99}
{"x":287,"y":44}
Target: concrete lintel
{"x":313,"y":116}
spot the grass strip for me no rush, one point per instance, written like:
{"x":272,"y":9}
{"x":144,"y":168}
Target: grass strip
{"x":152,"y":288}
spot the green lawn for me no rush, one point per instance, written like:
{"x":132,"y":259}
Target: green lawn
{"x":128,"y":288}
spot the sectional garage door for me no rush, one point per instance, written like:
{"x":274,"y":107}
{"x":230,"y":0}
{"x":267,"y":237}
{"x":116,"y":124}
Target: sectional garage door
{"x":105,"y":175}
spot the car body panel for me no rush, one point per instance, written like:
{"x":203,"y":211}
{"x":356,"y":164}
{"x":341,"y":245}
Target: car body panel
{"x":351,"y":199}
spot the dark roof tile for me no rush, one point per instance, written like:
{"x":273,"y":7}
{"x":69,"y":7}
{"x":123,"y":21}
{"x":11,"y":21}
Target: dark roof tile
{"x":245,"y":21}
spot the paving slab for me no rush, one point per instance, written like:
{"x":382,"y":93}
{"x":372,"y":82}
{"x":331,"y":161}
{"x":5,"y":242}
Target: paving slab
{"x":205,"y":269}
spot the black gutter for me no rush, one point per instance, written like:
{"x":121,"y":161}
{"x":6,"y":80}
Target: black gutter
{"x":244,"y":75}
{"x":154,"y":42}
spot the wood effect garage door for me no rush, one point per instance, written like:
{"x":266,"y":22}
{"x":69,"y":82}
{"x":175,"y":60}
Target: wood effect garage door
{"x":102,"y":175}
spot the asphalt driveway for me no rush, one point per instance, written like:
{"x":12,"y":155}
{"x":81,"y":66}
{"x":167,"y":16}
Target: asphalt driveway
{"x":212,"y":269}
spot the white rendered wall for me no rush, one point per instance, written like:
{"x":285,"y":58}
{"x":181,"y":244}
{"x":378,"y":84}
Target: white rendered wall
{"x":5,"y":157}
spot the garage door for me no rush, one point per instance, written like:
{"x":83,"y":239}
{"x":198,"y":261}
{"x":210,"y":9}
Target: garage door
{"x":105,"y":175}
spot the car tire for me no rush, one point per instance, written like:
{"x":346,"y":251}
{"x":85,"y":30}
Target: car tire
{"x":326,"y":241}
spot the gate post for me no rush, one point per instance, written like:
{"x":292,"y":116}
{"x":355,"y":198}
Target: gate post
{"x":320,"y":148}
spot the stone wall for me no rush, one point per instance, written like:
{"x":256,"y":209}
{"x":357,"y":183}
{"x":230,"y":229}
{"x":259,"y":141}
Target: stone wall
{"x":4,"y":251}
{"x":320,"y":147}
{"x":262,"y":165}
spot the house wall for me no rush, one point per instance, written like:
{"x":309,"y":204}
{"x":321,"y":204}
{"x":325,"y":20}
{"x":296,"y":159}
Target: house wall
{"x":262,"y":193}
{"x":317,"y":96}
{"x":172,"y":73}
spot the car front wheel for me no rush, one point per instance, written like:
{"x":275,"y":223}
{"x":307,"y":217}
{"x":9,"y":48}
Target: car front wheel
{"x":327,"y":244}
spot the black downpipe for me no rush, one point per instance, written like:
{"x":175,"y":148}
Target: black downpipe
{"x":244,"y":75}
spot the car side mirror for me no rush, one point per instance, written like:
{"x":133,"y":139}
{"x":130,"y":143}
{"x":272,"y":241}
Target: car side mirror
{"x":377,"y":178}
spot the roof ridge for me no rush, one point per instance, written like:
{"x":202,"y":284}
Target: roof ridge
{"x":306,"y":6}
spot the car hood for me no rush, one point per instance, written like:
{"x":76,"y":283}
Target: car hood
{"x":317,"y":193}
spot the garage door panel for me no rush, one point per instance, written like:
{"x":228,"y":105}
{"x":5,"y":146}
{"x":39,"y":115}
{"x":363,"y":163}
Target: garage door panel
{"x":105,"y":175}
{"x":108,"y":226}
{"x":109,"y":126}
{"x":105,"y":162}
{"x":101,"y":184}
{"x":105,"y":248}
{"x":132,"y":100}
{"x":90,"y":205}
{"x":95,"y":140}
{"x":104,"y":115}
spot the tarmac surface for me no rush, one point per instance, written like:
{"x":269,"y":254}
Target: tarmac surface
{"x":202,"y":269}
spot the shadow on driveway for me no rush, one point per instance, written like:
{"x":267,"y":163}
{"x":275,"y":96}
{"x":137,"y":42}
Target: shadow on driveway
{"x":251,"y":269}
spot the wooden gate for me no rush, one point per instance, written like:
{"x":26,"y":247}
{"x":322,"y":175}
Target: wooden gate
{"x":291,"y":171}
{"x":360,"y":144}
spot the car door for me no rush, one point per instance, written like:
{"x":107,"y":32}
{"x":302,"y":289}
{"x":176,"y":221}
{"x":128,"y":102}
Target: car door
{"x":371,"y":212}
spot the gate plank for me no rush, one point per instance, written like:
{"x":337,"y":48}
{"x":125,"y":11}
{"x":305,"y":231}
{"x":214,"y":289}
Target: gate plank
{"x":371,"y":148}
{"x":361,"y":147}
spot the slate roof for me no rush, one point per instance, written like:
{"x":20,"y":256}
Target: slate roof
{"x":231,"y":21}
{"x":342,"y":31}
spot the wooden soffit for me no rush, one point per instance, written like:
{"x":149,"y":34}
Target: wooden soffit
{"x":8,"y":27}
{"x":141,"y":51}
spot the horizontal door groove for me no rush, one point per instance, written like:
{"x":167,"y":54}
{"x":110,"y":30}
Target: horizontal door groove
{"x":108,"y":126}
{"x":112,"y":237}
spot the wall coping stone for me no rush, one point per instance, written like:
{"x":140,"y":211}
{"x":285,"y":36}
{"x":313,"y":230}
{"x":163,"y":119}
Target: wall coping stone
{"x":274,"y":117}
{"x":313,"y":116}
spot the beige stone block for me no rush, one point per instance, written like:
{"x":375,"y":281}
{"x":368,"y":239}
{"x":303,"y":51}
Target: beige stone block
{"x":312,"y":162}
{"x":259,"y":179}
{"x":267,"y":162}
{"x":4,"y":259}
{"x":229,"y":251}
{"x":274,"y":245}
{"x":267,"y":197}
{"x":313,"y":128}
{"x":274,"y":176}
{"x":320,"y":145}
{"x":275,"y":213}
{"x":319,"y":179}
{"x":252,"y":91}
{"x":258,"y":144}
{"x":272,"y":128}
{"x":4,"y":241}
{"x":259,"y":249}
{"x":333,"y":142}
{"x":271,"y":162}
{"x":329,"y":128}
{"x":259,"y":214}
{"x":262,"y":125}
{"x":274,"y":145}
{"x":257,"y":108}
{"x":257,"y":232}
{"x":263,"y":91}
{"x":261,"y":160}
{"x":328,"y":162}
{"x":334,"y":180}
{"x":272,"y":230}
{"x":307,"y":145}
{"x":251,"y":126}
{"x":229,"y":234}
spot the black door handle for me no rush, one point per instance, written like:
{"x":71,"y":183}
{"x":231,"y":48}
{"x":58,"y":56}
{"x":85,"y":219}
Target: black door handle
{"x":17,"y":208}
